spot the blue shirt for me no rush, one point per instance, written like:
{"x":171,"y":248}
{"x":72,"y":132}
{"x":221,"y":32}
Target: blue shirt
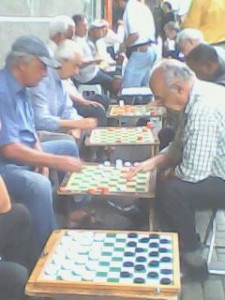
{"x":51,"y":102}
{"x":16,"y":114}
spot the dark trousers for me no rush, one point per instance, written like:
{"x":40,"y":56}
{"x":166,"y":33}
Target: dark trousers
{"x":92,"y":111}
{"x":177,"y":201}
{"x":17,"y":256}
{"x":15,"y":233}
{"x":166,"y":136}
{"x":13,"y":278}
{"x":104,"y":80}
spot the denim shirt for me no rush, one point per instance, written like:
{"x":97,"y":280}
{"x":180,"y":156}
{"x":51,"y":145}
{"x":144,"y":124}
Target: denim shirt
{"x":51,"y":102}
{"x":16,"y":114}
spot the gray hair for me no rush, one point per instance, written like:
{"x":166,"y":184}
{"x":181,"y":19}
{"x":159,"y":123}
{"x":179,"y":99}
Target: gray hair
{"x":190,"y":34}
{"x":60,"y":24}
{"x":174,"y":71}
{"x":67,"y":50}
{"x":14,"y":57}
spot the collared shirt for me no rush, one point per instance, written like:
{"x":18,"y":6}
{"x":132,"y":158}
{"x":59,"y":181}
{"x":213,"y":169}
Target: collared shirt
{"x":208,"y":17}
{"x":51,"y":102}
{"x":88,"y":72}
{"x":138,"y":19}
{"x":203,"y":140}
{"x":16,"y":114}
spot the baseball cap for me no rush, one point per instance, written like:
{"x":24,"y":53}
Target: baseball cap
{"x":30,"y":44}
{"x":96,"y":24}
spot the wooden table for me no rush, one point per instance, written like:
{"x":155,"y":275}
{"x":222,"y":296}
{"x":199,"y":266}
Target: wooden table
{"x":110,"y":137}
{"x":50,"y":275}
{"x":95,"y":177}
{"x":131,"y":113}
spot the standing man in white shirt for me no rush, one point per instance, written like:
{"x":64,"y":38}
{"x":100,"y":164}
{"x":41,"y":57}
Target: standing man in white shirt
{"x":138,"y":43}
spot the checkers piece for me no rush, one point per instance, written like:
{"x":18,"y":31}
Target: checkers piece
{"x":109,"y":261}
{"x":128,"y":264}
{"x":139,"y":280}
{"x":141,"y":259}
{"x":132,"y":235}
{"x":150,"y":124}
{"x":106,"y":180}
{"x":154,"y":263}
{"x":166,"y":259}
{"x":125,"y":274}
{"x":165,"y":281}
{"x":153,"y":275}
{"x":131,"y":244}
{"x":139,"y":267}
{"x":106,"y":136}
{"x":116,"y":111}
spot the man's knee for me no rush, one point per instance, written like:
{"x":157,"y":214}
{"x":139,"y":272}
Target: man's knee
{"x":12,"y":280}
{"x":168,"y":193}
{"x":70,"y":148}
{"x":20,"y":215}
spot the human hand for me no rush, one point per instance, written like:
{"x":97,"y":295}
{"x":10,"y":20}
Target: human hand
{"x":86,"y":123}
{"x":90,"y":123}
{"x":166,"y":174}
{"x":42,"y":170}
{"x":145,"y":166}
{"x":68,"y":164}
{"x":93,"y":103}
{"x":154,"y":103}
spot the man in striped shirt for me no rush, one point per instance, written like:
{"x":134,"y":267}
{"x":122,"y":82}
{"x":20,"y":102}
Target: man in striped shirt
{"x":196,"y":158}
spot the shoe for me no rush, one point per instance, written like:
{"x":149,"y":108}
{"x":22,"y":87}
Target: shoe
{"x":76,"y":218}
{"x":192,"y":273}
{"x":194,"y":266}
{"x":83,"y":218}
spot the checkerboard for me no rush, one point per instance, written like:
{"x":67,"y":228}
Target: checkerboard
{"x":108,"y":262}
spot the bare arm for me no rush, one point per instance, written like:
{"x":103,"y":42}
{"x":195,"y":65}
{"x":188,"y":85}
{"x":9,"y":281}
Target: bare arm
{"x":37,"y":158}
{"x":131,"y":39}
{"x":80,"y":99}
{"x":86,"y":123}
{"x":5,"y":204}
{"x":150,"y":164}
{"x":86,"y":63}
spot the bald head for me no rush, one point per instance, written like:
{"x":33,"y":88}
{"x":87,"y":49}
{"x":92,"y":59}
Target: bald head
{"x":171,"y":82}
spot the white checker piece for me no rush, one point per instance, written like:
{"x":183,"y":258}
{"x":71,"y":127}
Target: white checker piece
{"x":79,"y":255}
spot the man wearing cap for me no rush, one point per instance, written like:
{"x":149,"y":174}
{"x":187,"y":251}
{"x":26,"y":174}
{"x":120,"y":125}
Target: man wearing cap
{"x":138,"y":43}
{"x":24,"y":162}
{"x":96,"y":35}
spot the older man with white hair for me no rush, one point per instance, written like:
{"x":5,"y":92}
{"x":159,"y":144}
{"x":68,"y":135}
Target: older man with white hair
{"x":60,"y":28}
{"x":188,"y":38}
{"x":196,"y":178}
{"x":53,"y":108}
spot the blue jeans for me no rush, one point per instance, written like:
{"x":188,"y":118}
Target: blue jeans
{"x":61,"y":147}
{"x":35,"y":191}
{"x":137,"y":71}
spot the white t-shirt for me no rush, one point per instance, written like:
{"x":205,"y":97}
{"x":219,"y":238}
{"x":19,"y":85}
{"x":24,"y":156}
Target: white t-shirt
{"x":138,"y":19}
{"x":89,"y":72}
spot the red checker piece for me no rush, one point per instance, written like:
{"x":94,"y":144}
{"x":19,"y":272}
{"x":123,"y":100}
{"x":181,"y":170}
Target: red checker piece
{"x":150,"y":124}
